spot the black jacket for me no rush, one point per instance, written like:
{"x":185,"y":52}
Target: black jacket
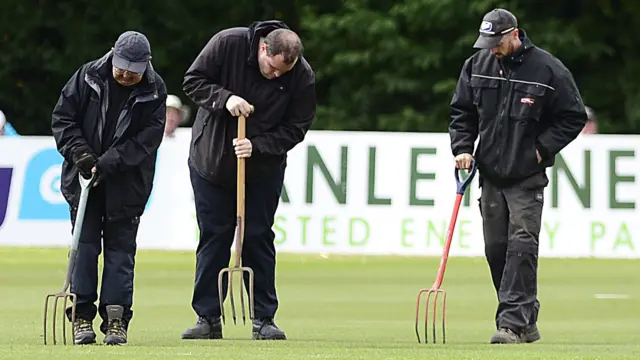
{"x":284,"y":107}
{"x":524,"y":103}
{"x":128,"y":166}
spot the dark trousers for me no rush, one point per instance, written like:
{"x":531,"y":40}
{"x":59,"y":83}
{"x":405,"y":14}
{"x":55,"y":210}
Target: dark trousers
{"x":511,"y":224}
{"x":216,"y":216}
{"x":119,"y":259}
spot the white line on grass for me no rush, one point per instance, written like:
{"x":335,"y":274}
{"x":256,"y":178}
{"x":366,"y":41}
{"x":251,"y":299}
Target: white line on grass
{"x":611,"y":296}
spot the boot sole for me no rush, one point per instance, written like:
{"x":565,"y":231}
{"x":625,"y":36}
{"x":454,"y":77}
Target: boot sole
{"x":257,"y":336}
{"x":86,"y":340}
{"x":503,"y":340}
{"x":112,"y":342}
{"x":531,"y":338}
{"x":210,"y":336}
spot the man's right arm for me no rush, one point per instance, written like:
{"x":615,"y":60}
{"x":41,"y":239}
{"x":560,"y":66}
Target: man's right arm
{"x":202,"y":80}
{"x":64,"y":121}
{"x":463,"y":128}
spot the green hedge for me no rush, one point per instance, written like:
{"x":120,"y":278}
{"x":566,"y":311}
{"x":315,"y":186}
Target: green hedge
{"x":381,"y":64}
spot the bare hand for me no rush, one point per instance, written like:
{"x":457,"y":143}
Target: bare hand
{"x":539,"y":157}
{"x":463,"y":161}
{"x":237,"y":105}
{"x":243,"y":148}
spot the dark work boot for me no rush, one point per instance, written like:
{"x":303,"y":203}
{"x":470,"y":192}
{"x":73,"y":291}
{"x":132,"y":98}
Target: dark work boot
{"x":530,"y":334}
{"x":83,"y":333}
{"x":266,"y":329}
{"x":205,"y":328}
{"x":116,"y":333}
{"x":505,"y":336}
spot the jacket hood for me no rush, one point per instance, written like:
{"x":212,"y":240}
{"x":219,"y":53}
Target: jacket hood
{"x":258,"y":30}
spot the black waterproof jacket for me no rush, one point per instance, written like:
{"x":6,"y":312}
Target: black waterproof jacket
{"x":284,"y":107}
{"x":128,"y":166}
{"x":524,"y":103}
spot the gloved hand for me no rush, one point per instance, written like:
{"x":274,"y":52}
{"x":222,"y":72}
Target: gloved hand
{"x":85,"y":162}
{"x":237,"y":105}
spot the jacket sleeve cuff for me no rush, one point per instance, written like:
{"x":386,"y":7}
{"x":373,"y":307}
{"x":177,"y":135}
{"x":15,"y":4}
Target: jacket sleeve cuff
{"x":463,"y":150}
{"x":222,"y":99}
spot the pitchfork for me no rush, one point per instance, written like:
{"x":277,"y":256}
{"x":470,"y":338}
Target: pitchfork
{"x":64,"y":293}
{"x":240,"y":197}
{"x":435,"y":288}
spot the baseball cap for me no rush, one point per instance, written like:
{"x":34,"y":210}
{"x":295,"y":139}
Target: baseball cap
{"x":495,"y":24}
{"x":132,"y":52}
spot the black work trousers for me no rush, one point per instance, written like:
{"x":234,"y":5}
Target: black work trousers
{"x":216,"y":216}
{"x":119,"y":241}
{"x":512,"y":220}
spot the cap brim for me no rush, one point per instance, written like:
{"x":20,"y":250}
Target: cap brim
{"x":487,"y":42}
{"x":136,"y":67}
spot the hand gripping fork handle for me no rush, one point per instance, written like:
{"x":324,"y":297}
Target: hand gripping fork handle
{"x":64,"y":293}
{"x":237,"y":267}
{"x":435,"y":288}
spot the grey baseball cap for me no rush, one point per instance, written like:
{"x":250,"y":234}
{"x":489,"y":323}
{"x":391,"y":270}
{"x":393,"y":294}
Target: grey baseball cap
{"x":495,"y":24}
{"x":132,"y":52}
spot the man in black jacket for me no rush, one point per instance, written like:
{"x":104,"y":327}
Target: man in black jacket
{"x":260,"y":66}
{"x":524,"y":106}
{"x":109,"y":122}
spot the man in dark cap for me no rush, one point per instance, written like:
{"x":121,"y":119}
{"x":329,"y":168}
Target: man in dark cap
{"x":523,"y":106}
{"x":261,"y":66}
{"x":108,"y":123}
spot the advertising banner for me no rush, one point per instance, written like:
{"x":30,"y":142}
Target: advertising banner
{"x":354,"y":193}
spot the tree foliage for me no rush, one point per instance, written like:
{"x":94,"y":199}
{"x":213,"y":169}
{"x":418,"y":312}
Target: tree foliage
{"x":381,"y":65}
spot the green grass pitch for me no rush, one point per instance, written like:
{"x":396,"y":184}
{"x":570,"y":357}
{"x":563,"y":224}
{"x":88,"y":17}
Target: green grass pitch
{"x":339,"y":307}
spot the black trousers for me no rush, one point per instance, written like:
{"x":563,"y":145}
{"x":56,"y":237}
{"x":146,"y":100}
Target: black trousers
{"x":216,"y":216}
{"x":119,"y":240}
{"x":512,"y":220}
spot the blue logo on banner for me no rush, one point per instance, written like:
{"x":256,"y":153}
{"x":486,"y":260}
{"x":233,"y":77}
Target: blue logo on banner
{"x":5,"y":187}
{"x":41,"y":196}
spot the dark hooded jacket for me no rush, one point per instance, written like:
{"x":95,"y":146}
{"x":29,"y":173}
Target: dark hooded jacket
{"x":525,"y":103}
{"x":284,"y":107}
{"x":128,"y":165}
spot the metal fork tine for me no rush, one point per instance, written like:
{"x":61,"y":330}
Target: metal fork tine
{"x":64,"y":326}
{"x":244,"y":314}
{"x":233,"y":303}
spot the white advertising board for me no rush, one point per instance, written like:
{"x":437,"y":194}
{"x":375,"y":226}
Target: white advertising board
{"x":354,"y":193}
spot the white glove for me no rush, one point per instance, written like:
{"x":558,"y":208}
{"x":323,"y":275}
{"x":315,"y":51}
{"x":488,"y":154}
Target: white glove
{"x":237,"y":105}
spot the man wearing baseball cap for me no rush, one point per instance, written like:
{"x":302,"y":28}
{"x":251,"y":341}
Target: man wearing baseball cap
{"x":523,"y":106}
{"x":108,"y":123}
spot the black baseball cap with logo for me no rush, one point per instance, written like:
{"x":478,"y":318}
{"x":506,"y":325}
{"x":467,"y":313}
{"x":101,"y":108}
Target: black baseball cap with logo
{"x":495,"y":24}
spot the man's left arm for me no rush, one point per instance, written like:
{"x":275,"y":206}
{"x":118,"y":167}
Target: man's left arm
{"x":135,"y":149}
{"x":297,"y":122}
{"x":568,"y":117}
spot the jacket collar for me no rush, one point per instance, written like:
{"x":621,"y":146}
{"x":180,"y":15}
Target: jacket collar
{"x":518,"y":56}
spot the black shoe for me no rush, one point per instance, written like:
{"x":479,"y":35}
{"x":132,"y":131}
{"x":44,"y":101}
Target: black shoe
{"x":116,"y":333}
{"x":205,"y":328}
{"x":83,"y":333}
{"x":530,"y":334}
{"x":505,"y":336}
{"x":266,"y":329}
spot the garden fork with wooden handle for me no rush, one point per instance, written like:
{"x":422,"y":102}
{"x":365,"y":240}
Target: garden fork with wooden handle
{"x":237,"y":266}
